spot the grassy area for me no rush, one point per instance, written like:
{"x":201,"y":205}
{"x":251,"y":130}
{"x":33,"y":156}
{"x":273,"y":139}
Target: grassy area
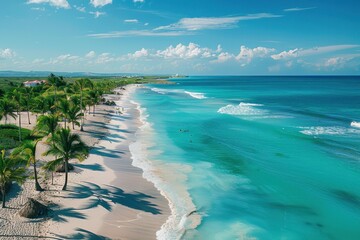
{"x":9,"y":136}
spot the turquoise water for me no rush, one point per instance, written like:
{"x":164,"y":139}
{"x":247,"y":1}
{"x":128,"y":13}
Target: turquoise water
{"x":257,"y":157}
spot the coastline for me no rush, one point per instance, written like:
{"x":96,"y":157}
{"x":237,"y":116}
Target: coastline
{"x":107,"y":198}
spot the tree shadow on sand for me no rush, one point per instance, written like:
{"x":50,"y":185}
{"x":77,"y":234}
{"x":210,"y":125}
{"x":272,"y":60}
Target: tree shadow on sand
{"x":59,"y":215}
{"x":83,"y":234}
{"x":102,"y":151}
{"x":93,"y":167}
{"x":106,"y":197}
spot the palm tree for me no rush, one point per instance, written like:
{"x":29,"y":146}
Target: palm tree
{"x":17,"y":98}
{"x":66,"y":146}
{"x":6,"y":109}
{"x":82,"y":84}
{"x":10,"y":170}
{"x":74,"y":115}
{"x":94,"y":96}
{"x":47,"y":126}
{"x":27,"y":152}
{"x":64,"y":108}
{"x":55,"y":82}
{"x":28,"y":91}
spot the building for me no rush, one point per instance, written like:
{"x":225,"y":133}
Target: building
{"x":33,"y":83}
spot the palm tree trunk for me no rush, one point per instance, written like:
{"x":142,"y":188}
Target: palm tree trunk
{"x":89,"y":109}
{"x":19,"y":115}
{"x":65,"y":123}
{"x":73,"y":124}
{"x":66,"y":175}
{"x":3,"y":196}
{"x":94,"y":110}
{"x":28,"y":113}
{"x":52,"y":177}
{"x":5,"y":119}
{"x":81,"y":111}
{"x":37,"y":185}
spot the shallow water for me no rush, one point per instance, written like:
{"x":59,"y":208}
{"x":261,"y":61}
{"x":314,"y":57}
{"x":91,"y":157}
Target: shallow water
{"x":257,"y":157}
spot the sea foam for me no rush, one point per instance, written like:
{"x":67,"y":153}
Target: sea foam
{"x":242,"y":109}
{"x":332,"y":130}
{"x":355,"y":124}
{"x":175,"y":191}
{"x":163,"y":91}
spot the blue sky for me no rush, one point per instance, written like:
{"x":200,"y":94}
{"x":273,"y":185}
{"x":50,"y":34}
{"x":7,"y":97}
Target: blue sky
{"x":194,"y":37}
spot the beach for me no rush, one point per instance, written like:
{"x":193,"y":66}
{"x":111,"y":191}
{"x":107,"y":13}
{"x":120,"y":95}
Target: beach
{"x":107,"y":197}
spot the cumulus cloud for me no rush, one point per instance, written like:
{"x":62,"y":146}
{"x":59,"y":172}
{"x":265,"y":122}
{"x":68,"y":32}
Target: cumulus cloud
{"x":55,"y":3}
{"x":131,"y":21}
{"x":294,"y":53}
{"x":286,"y":54}
{"x":80,"y":9}
{"x":224,"y":57}
{"x":246,"y":55}
{"x":139,"y":54}
{"x":97,"y":14}
{"x":90,"y":54}
{"x":100,"y":3}
{"x":194,"y":24}
{"x":7,"y":53}
{"x":184,"y":52}
{"x":140,"y":1}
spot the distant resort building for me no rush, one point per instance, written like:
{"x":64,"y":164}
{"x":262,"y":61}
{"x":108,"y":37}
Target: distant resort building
{"x":33,"y":83}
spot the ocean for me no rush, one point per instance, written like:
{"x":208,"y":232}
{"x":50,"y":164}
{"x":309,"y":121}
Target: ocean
{"x":254,"y":157}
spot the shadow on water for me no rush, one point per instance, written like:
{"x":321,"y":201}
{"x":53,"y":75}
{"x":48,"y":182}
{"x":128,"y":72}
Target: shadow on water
{"x":102,"y":151}
{"x":348,"y":198}
{"x":83,"y":234}
{"x":105,"y":197}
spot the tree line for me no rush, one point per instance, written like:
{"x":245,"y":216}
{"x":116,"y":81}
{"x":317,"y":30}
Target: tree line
{"x":59,"y":105}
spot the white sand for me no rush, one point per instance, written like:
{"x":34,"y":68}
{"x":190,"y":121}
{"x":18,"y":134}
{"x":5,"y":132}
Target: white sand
{"x":107,"y":197}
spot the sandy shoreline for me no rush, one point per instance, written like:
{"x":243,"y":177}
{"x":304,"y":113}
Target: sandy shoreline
{"x":107,"y":197}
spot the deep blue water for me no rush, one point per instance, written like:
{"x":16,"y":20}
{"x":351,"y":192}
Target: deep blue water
{"x":259,"y":157}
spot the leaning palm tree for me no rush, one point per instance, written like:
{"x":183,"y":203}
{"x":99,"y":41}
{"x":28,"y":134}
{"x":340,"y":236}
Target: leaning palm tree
{"x":65,"y":146}
{"x":74,"y":115}
{"x":27,"y":152}
{"x":6,"y":109}
{"x":10,"y":170}
{"x":81,"y":84}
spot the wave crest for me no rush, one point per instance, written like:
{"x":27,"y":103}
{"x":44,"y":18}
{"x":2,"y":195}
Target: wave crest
{"x":333,"y":130}
{"x":355,"y":124}
{"x":242,"y":109}
{"x":197,"y":95}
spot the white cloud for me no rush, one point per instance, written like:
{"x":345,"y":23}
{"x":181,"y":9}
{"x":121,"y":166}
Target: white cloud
{"x":80,"y":9}
{"x":311,"y":51}
{"x":224,"y":57}
{"x":100,"y":3}
{"x":38,"y":9}
{"x":286,"y":54}
{"x":298,"y":9}
{"x":246,"y":55}
{"x":55,"y":3}
{"x":139,"y":54}
{"x":143,"y":33}
{"x":131,"y":21}
{"x":140,"y":1}
{"x":90,"y":54}
{"x":184,"y":52}
{"x":7,"y":53}
{"x":194,"y":24}
{"x":97,"y":14}
{"x":338,"y":61}
{"x":105,"y":58}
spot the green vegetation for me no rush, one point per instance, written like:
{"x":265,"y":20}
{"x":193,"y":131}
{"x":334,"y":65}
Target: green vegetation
{"x":60,"y":105}
{"x":9,"y":136}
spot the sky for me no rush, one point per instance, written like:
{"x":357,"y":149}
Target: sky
{"x":187,"y":37}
